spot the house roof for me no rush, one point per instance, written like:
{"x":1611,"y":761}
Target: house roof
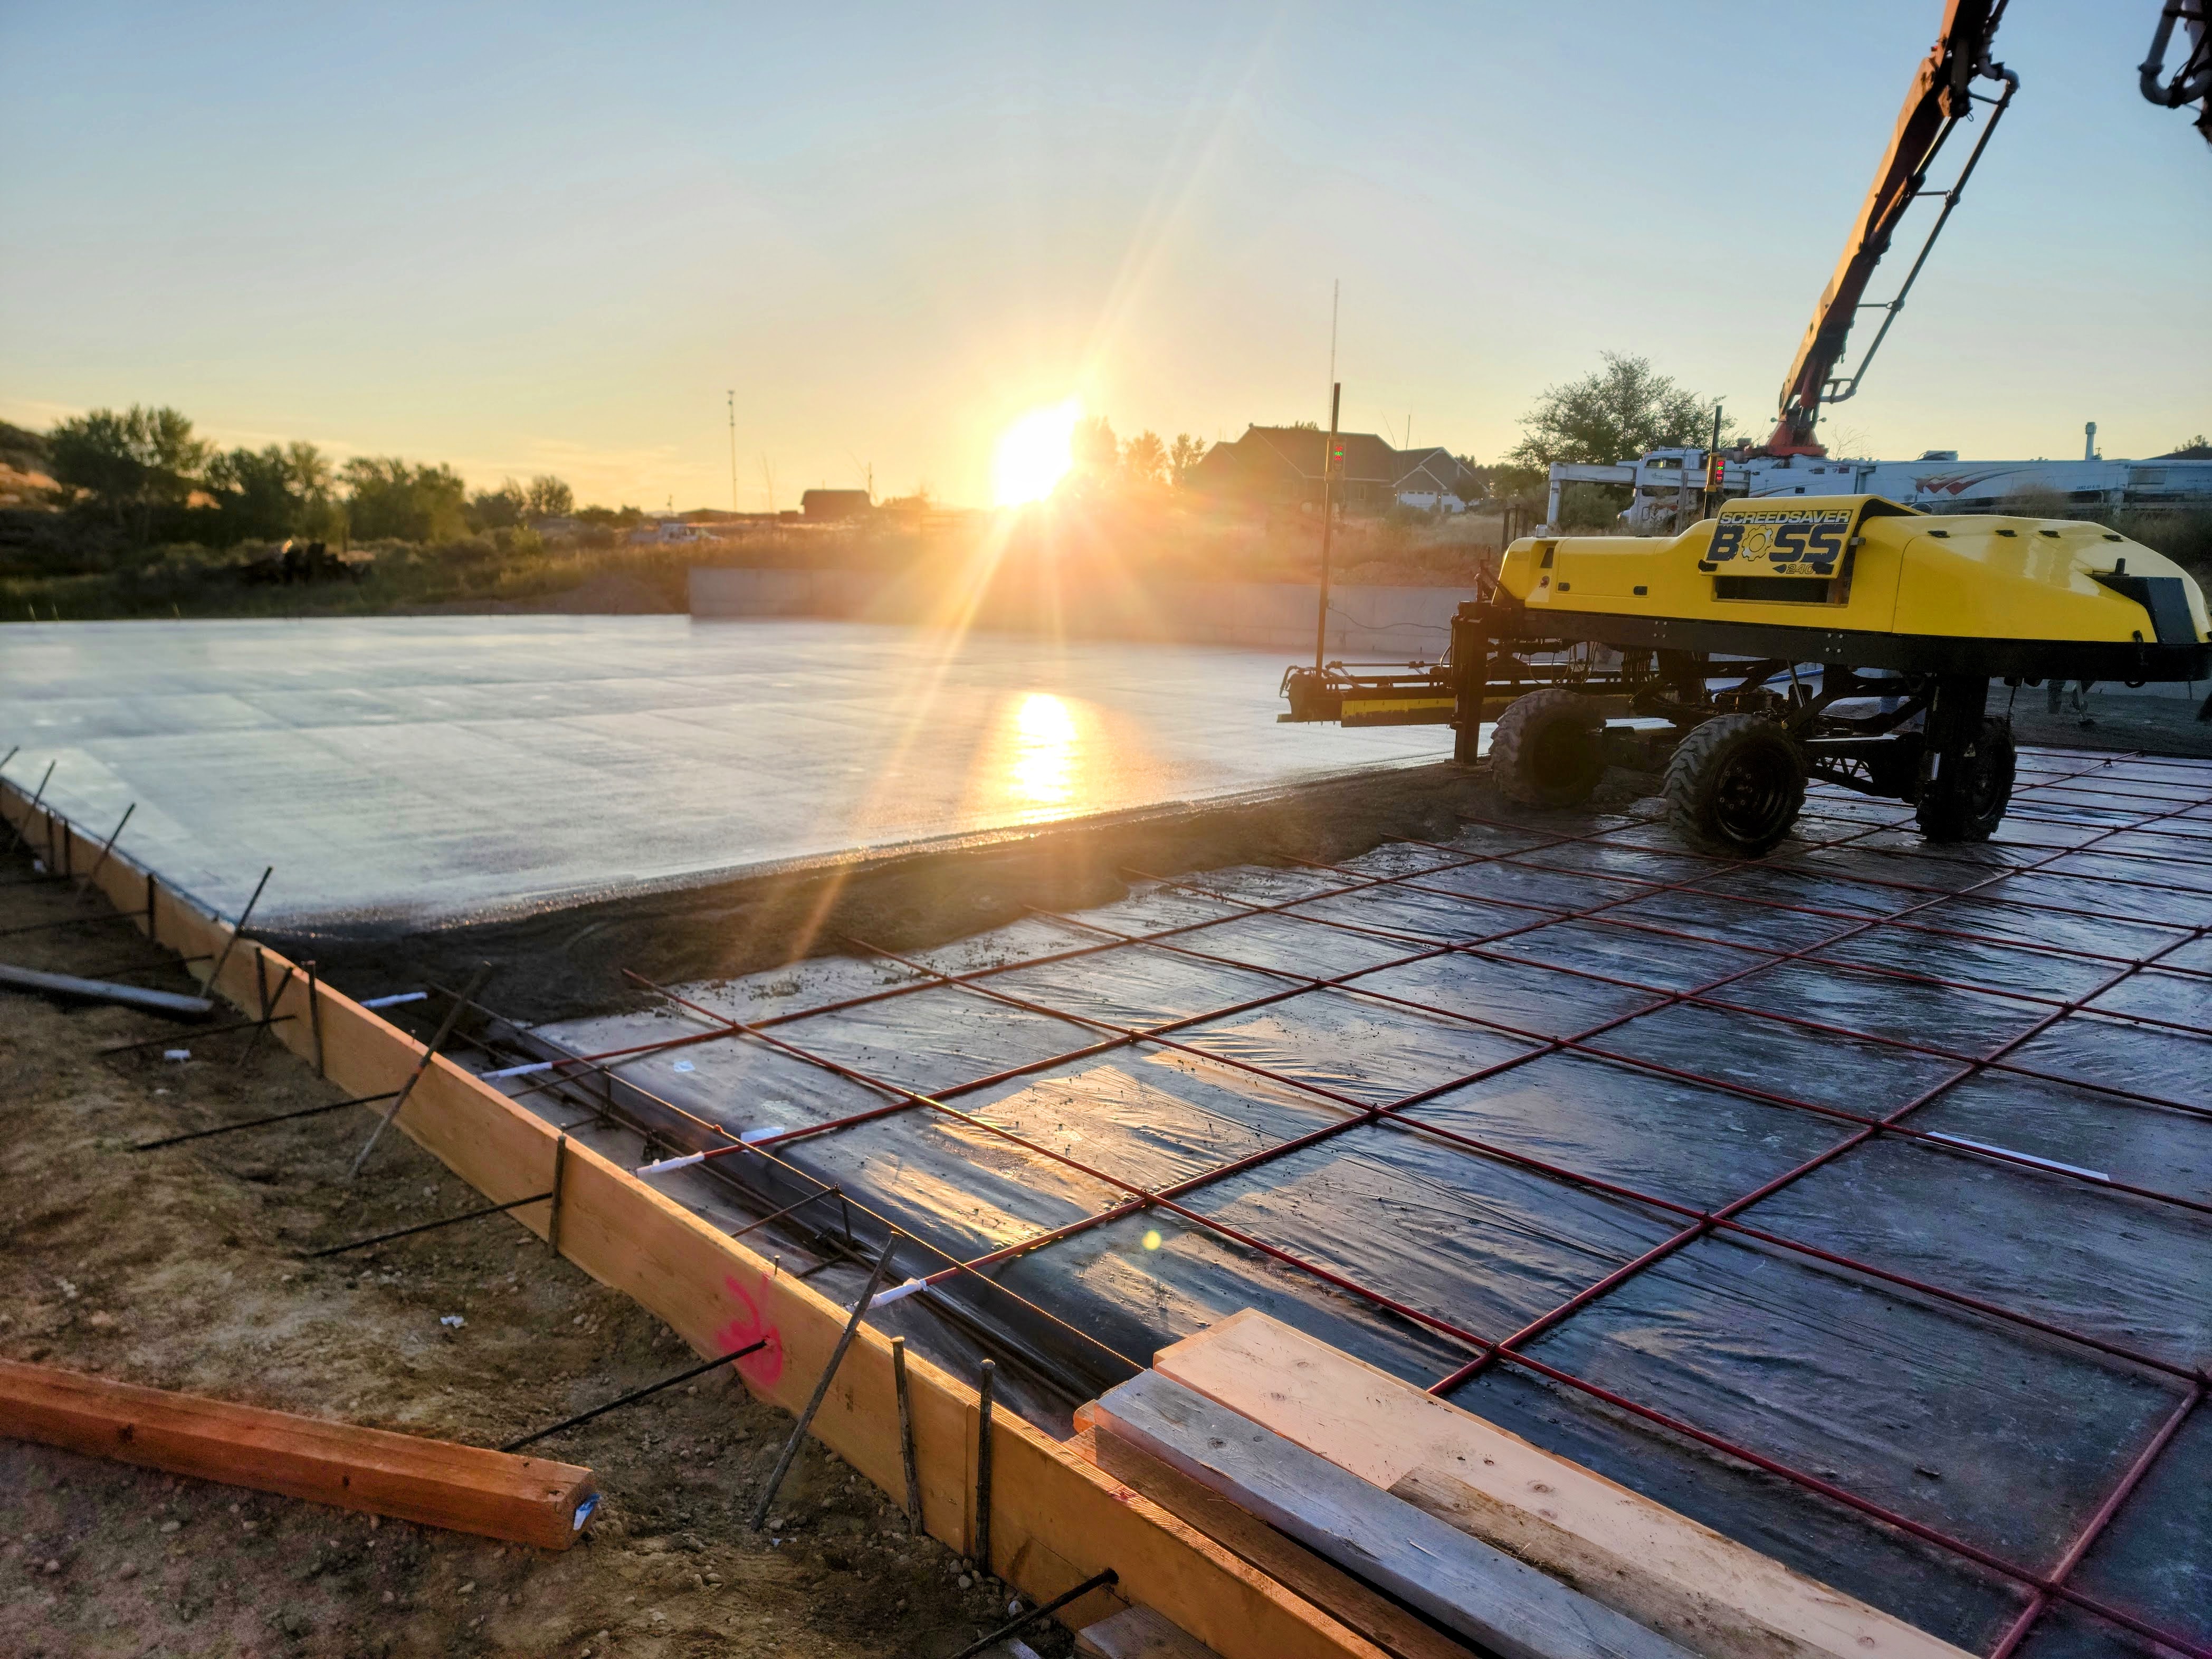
{"x":1281,"y":454}
{"x":1436,"y":469}
{"x":1295,"y":452}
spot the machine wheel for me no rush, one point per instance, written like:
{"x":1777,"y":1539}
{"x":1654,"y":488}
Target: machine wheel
{"x":1548,"y":749}
{"x":1967,"y":797}
{"x":1736,"y":783}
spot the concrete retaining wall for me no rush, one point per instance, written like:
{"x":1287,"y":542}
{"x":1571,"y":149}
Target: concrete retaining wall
{"x":1395,"y":623}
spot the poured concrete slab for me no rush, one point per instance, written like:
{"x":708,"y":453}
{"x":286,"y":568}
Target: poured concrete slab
{"x":437,"y":768}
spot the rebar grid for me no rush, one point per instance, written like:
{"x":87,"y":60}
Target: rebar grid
{"x":2046,"y":1589}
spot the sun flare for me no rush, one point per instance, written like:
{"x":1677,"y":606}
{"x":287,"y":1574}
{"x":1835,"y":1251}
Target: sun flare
{"x":1033,"y":455}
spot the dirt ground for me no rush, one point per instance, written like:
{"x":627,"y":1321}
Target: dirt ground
{"x":181,"y":1268}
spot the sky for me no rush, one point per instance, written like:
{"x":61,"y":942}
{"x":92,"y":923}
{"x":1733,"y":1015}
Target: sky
{"x":522,"y":240}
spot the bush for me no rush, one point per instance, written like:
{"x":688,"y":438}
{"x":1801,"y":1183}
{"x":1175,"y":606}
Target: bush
{"x":1591,"y":507}
{"x":2183,"y":535}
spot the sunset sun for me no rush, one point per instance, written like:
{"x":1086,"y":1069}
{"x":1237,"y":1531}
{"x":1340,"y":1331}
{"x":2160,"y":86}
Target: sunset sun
{"x":1033,"y":454}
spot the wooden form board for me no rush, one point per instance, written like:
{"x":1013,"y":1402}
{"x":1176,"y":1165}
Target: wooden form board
{"x":524,"y":1500}
{"x":1660,"y":1567}
{"x":1509,"y":1608}
{"x":1377,"y":1618}
{"x":1056,"y":1518}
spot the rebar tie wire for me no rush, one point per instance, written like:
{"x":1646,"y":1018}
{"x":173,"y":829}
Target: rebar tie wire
{"x":634,"y":1395}
{"x":260,"y":1122}
{"x":427,"y":1226}
{"x":461,"y":1004}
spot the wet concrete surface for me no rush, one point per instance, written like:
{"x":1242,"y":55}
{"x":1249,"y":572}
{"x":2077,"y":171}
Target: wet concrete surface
{"x":430,"y":769}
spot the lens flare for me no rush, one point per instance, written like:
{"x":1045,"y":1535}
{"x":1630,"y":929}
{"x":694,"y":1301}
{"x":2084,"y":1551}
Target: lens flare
{"x":1033,"y":455}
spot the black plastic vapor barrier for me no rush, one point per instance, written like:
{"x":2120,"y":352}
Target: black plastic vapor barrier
{"x":1856,"y":1202}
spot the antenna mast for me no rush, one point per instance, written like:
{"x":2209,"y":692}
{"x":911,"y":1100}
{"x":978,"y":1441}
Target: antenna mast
{"x":1335,"y":291}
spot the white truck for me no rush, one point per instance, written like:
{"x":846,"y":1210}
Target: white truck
{"x":1669,"y":483}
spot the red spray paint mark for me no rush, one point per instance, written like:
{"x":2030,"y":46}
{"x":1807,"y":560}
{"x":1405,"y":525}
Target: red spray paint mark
{"x":764,"y":1368}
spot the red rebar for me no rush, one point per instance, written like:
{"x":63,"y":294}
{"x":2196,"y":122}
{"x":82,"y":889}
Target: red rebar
{"x":1367,"y":1112}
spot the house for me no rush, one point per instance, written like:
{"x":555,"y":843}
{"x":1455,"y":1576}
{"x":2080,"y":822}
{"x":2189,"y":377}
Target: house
{"x":1436,"y":481}
{"x":830,"y":506}
{"x":1281,"y":466}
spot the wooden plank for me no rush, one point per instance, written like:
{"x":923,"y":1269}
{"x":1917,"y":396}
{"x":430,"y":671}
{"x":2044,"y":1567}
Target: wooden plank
{"x":1057,"y":1519}
{"x":1640,"y":1558}
{"x":1139,"y":1633}
{"x":524,"y":1500}
{"x":72,"y":989}
{"x":1484,"y":1594}
{"x":1380,"y":1619}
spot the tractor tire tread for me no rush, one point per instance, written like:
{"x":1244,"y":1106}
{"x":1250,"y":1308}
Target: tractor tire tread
{"x":1512,"y":746}
{"x":1945,"y":817}
{"x":1691,"y":776}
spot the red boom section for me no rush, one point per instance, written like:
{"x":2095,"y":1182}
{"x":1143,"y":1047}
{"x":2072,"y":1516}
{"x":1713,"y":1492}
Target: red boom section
{"x":1938,"y":97}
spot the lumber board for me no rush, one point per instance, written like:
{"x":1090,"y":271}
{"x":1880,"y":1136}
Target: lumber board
{"x":1651,"y":1563}
{"x":1057,"y":1519}
{"x":1139,"y":1633}
{"x":1484,"y":1594}
{"x":523,"y":1500}
{"x":171,"y":1003}
{"x":1377,"y":1618}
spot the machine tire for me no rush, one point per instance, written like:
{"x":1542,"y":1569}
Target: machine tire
{"x":1970,"y":803}
{"x":1737,"y":784}
{"x":1548,"y":749}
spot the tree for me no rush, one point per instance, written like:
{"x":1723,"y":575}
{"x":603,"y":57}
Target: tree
{"x":549,"y":498}
{"x":396,"y":498}
{"x":2198,"y":449}
{"x":1183,"y":454}
{"x":283,"y":489}
{"x":132,"y":463}
{"x":499,"y":510}
{"x":1612,"y":415}
{"x":1145,"y":461}
{"x":253,"y":493}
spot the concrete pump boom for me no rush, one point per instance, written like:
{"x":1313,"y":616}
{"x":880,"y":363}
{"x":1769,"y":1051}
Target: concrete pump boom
{"x":2191,"y":82}
{"x":1941,"y":97}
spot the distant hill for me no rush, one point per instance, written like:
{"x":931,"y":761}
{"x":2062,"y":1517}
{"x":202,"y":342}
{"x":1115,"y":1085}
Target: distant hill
{"x":24,"y":480}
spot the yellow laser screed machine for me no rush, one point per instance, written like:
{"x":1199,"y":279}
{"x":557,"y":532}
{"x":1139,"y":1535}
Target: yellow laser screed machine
{"x":1843,"y":637}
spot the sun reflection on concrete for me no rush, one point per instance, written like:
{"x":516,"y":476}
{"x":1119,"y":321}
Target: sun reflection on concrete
{"x":1044,"y":752}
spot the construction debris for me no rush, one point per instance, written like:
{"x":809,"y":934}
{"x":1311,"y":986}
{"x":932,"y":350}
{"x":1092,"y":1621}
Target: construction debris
{"x":68,"y":988}
{"x":524,"y":1500}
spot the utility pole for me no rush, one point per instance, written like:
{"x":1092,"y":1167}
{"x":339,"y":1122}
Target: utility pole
{"x":733,"y":452}
{"x":1716,"y":470}
{"x":1327,"y":517}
